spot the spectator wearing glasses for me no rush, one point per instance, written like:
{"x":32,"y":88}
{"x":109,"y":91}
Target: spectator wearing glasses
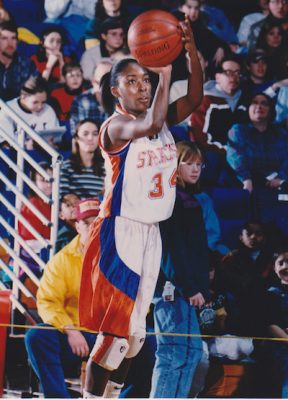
{"x":257,"y":150}
{"x":223,"y":104}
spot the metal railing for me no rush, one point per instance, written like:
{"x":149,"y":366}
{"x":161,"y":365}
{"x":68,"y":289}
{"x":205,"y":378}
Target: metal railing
{"x":13,"y":196}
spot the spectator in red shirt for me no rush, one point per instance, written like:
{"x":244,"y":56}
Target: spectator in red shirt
{"x":63,"y":96}
{"x":49,"y":59}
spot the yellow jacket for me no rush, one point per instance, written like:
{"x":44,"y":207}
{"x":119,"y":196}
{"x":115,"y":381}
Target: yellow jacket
{"x":58,"y":293}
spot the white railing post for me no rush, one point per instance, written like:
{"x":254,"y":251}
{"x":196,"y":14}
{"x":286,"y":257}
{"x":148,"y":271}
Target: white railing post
{"x":17,"y":188}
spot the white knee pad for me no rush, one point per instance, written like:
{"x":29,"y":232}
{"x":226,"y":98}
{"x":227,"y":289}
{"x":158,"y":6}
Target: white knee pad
{"x":109,"y":351}
{"x":135,"y":344}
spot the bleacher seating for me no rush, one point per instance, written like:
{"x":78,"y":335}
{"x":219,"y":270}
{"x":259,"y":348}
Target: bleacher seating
{"x":233,"y":207}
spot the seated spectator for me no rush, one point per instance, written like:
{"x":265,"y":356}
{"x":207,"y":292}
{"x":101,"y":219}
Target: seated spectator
{"x":223,"y":104}
{"x":49,"y":59}
{"x":62,"y":97}
{"x":67,"y":215}
{"x":89,"y":103}
{"x":210,"y":46}
{"x":14,"y":68}
{"x":257,"y":151}
{"x":278,"y":12}
{"x":110,"y":42}
{"x":83,"y":172}
{"x":257,"y":79}
{"x":273,"y":39}
{"x":277,"y":324}
{"x":245,"y":274}
{"x":56,"y":353}
{"x":32,"y":107}
{"x":249,"y":20}
{"x":105,"y":9}
{"x":73,"y":15}
{"x":243,"y":281}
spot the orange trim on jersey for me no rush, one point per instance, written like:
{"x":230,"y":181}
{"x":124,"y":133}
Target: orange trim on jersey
{"x":115,"y":161}
{"x":114,"y":320}
{"x":97,"y":293}
{"x":119,"y":110}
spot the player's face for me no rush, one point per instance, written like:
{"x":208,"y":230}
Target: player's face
{"x":87,"y":137}
{"x":34,"y":102}
{"x":281,"y":267}
{"x":134,"y":89}
{"x":8,"y":43}
{"x":259,"y":109}
{"x":190,"y":170}
{"x":53,"y":43}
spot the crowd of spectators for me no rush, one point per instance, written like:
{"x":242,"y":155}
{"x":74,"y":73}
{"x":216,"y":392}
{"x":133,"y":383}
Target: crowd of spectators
{"x":242,"y":122}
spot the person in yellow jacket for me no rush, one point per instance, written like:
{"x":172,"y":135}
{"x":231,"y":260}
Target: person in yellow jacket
{"x":54,"y":353}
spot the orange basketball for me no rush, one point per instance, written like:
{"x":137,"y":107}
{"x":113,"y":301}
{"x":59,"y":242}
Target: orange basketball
{"x":155,"y":38}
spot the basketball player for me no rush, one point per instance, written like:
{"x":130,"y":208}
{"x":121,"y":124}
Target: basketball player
{"x":123,"y":252}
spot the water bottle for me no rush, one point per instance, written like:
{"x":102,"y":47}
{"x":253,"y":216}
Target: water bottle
{"x":168,"y":291}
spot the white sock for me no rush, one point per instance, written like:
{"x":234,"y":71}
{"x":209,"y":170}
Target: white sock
{"x":112,"y":390}
{"x":88,"y":395}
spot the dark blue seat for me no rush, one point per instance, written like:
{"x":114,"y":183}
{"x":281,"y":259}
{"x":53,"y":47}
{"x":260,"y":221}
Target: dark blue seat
{"x":230,"y":229}
{"x":233,"y":207}
{"x":213,"y":166}
{"x":179,"y":132}
{"x":26,"y":12}
{"x":268,"y":207}
{"x":231,"y":203}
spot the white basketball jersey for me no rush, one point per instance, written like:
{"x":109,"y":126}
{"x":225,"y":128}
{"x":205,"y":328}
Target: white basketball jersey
{"x":140,"y":178}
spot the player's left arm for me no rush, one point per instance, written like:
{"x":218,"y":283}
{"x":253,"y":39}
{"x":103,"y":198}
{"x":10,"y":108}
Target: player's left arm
{"x":183,"y":107}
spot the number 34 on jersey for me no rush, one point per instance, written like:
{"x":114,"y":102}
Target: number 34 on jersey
{"x":158,"y":185}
